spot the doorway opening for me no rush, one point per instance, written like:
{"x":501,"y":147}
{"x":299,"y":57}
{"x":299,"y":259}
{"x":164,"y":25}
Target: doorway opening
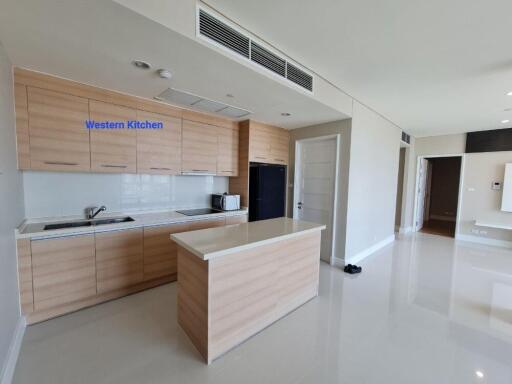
{"x":316,"y":186}
{"x":400,"y":188}
{"x":439,"y":181}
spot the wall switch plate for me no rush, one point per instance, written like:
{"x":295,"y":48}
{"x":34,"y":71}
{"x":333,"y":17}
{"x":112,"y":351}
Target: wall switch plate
{"x":471,"y":189}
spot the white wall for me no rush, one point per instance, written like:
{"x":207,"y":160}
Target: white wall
{"x":374,"y":158}
{"x":440,"y":145}
{"x":67,"y":194}
{"x":343,"y":128}
{"x":11,"y":212}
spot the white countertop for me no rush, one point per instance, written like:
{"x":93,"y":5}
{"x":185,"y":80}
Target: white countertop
{"x":35,"y":228}
{"x":221,"y":241}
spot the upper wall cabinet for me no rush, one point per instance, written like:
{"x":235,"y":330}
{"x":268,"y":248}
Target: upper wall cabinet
{"x":59,"y":140}
{"x":159,"y":150}
{"x":199,"y":148}
{"x":227,"y":159}
{"x":113,"y":150}
{"x":268,"y":144}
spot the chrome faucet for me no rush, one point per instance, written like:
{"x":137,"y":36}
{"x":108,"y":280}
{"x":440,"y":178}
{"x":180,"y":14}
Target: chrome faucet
{"x":92,"y":212}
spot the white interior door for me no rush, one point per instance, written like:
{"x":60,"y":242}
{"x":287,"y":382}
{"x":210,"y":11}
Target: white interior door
{"x":422,"y":193}
{"x":315,"y":187}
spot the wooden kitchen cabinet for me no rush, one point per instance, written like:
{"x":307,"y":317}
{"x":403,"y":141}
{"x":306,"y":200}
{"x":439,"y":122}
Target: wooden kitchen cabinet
{"x":22,"y":134}
{"x":199,"y":148}
{"x":239,"y":219}
{"x":63,"y":271}
{"x":268,"y":144}
{"x":204,"y":224}
{"x":58,"y":137}
{"x":113,"y":150}
{"x":227,"y":159}
{"x":160,"y":252}
{"x":159,"y":150}
{"x":119,"y":259}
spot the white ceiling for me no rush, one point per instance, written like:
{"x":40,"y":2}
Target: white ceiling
{"x":432,"y":67}
{"x":94,"y":42}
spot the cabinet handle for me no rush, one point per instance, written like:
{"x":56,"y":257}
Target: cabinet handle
{"x":200,"y":170}
{"x":279,"y":160}
{"x":59,"y":163}
{"x":160,"y":169}
{"x":228,"y":171}
{"x":259,"y":157}
{"x":113,"y":166}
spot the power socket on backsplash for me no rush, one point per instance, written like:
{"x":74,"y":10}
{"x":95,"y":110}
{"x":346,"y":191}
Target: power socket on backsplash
{"x":479,"y":232}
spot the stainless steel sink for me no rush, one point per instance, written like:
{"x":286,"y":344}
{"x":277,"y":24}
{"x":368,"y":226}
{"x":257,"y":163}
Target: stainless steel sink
{"x":117,"y":220}
{"x":88,"y":223}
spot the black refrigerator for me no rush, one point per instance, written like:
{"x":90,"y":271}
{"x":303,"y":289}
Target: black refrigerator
{"x":267,"y":191}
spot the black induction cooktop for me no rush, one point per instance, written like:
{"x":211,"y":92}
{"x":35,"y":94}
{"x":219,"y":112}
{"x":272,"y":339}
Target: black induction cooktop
{"x":198,"y":212}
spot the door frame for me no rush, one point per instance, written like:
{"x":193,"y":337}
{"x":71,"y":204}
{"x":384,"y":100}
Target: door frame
{"x":459,"y":197}
{"x":297,"y":177}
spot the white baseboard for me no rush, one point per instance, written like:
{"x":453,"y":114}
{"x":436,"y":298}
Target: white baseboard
{"x":13,"y":352}
{"x":338,"y":262}
{"x":443,"y":218}
{"x":484,"y":240}
{"x":369,"y":251}
{"x":404,"y":230}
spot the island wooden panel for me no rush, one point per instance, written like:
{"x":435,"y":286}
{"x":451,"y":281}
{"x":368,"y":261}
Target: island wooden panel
{"x":22,"y":134}
{"x":63,"y":271}
{"x":204,"y":224}
{"x":59,"y":140}
{"x":25,"y":275}
{"x":246,"y":291}
{"x":159,"y":150}
{"x":119,"y":259}
{"x":160,"y":252}
{"x":113,"y":150}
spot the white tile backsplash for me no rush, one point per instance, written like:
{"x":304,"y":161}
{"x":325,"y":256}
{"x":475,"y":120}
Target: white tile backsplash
{"x":50,"y":194}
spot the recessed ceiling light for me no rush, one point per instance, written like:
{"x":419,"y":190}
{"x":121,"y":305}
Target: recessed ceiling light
{"x":509,"y":94}
{"x":286,"y":114}
{"x":141,"y":64}
{"x":508,"y":109}
{"x":164,"y":73}
{"x":229,"y":95}
{"x":479,"y":374}
{"x":505,"y":121}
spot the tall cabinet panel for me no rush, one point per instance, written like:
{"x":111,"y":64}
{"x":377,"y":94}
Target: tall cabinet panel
{"x":113,"y":150}
{"x":227,"y":159}
{"x":159,"y":150}
{"x":59,"y":139}
{"x":199,"y":146}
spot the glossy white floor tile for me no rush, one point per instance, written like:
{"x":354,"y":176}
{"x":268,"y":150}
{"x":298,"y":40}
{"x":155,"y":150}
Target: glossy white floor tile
{"x":425,"y":310}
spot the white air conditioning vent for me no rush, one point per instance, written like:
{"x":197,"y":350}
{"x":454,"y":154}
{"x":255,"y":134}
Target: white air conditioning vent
{"x":175,"y":96}
{"x":298,"y":76}
{"x":223,"y":34}
{"x":406,"y":138}
{"x":267,"y":59}
{"x":213,"y":29}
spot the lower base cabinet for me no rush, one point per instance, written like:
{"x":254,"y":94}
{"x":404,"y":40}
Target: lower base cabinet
{"x":74,"y":272}
{"x":160,"y":252}
{"x":119,"y":259}
{"x":63,"y":271}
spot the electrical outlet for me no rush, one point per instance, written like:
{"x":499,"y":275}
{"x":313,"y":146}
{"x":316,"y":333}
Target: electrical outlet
{"x":475,"y":231}
{"x":483,"y":233}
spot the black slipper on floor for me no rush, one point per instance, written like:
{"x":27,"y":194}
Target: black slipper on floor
{"x":352,"y":269}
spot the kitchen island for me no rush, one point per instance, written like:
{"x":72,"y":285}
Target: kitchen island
{"x":236,"y":280}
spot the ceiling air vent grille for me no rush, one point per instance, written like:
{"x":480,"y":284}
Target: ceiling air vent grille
{"x":267,"y":59}
{"x":223,"y":34}
{"x":406,"y":138}
{"x":299,"y":77}
{"x":215,"y":30}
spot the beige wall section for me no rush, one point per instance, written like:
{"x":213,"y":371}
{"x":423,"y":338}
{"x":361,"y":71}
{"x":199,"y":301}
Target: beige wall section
{"x":479,"y":201}
{"x":408,"y":191}
{"x":400,"y":189}
{"x":440,"y":145}
{"x":374,"y":155}
{"x":11,"y":211}
{"x":342,"y":128}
